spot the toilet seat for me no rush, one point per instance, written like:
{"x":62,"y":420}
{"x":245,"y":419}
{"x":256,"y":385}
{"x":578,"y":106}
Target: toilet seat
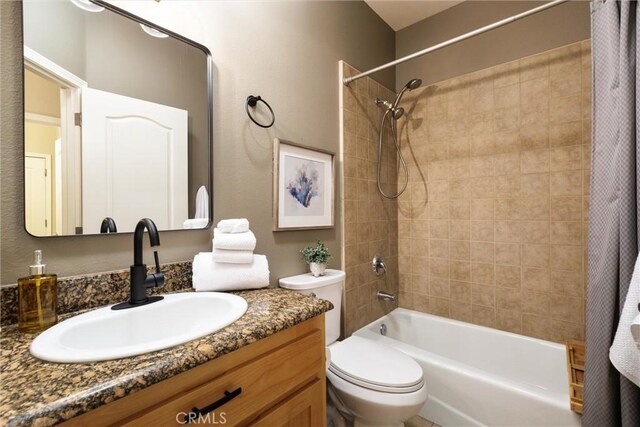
{"x":374,"y":366}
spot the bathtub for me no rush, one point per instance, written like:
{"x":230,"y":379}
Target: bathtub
{"x":481,"y":376}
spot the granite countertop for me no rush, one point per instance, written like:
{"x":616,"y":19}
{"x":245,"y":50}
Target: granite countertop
{"x":34,"y":392}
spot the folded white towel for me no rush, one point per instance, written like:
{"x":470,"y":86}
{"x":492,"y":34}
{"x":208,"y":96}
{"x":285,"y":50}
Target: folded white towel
{"x":202,"y":203}
{"x":232,"y":257}
{"x":234,"y":241}
{"x":195,"y":223}
{"x":235,"y":225}
{"x":212,"y":276}
{"x":624,"y":353}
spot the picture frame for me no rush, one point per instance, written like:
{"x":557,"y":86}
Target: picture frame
{"x":303,"y":187}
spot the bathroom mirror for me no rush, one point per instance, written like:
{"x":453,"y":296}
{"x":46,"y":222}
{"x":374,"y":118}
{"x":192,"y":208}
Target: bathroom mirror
{"x":117,"y":122}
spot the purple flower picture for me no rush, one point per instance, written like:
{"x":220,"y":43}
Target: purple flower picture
{"x":303,"y":184}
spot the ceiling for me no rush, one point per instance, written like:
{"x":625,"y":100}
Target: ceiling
{"x":401,"y":13}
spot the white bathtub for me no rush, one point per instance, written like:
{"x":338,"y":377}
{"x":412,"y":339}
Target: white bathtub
{"x":481,"y":376}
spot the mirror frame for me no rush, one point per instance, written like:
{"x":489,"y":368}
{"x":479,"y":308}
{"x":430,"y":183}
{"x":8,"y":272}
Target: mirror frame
{"x":179,"y":37}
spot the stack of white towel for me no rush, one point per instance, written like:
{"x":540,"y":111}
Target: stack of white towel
{"x":231,"y":265}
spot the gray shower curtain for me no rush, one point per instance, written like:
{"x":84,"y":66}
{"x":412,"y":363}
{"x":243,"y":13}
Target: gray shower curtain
{"x":609,"y":398}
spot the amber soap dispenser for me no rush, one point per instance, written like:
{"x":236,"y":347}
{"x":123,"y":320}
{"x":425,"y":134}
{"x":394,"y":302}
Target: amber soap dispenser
{"x":37,"y":298}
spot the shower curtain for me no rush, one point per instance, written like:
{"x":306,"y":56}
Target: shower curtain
{"x":609,"y":398}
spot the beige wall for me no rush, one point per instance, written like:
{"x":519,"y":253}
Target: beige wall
{"x":287,"y":52}
{"x":370,"y":221}
{"x":558,"y":26}
{"x":39,"y":138}
{"x":41,"y":96}
{"x":494,"y":230}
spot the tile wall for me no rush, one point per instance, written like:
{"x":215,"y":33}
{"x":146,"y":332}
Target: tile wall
{"x":370,"y":221}
{"x":494,"y":228}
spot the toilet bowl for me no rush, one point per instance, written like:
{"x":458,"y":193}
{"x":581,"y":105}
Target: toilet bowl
{"x":378,"y":385}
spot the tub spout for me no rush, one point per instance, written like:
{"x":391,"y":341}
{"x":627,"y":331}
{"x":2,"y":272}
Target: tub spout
{"x":385,"y":296}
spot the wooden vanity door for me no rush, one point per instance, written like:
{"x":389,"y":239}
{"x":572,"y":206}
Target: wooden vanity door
{"x":303,"y":409}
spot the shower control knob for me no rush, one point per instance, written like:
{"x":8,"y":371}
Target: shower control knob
{"x":378,"y":266}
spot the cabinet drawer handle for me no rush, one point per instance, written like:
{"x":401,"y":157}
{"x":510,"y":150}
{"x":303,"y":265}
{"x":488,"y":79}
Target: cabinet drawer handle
{"x":228,"y":396}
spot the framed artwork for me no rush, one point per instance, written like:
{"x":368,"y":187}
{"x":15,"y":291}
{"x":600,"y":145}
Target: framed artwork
{"x":303,"y":187}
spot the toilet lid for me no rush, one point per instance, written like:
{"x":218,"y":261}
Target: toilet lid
{"x":375,"y":366}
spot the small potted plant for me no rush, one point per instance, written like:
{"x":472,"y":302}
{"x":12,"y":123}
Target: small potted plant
{"x":317,"y":257}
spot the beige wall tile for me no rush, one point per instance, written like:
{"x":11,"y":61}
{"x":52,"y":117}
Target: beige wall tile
{"x":508,"y":253}
{"x":567,"y":158}
{"x":565,"y":109}
{"x":482,"y":273}
{"x":482,"y":231}
{"x":508,"y":299}
{"x":482,"y":188}
{"x":439,"y":287}
{"x":535,"y":255}
{"x":566,"y":233}
{"x":534,"y":185}
{"x":510,"y":321}
{"x":483,"y":295}
{"x":507,"y":186}
{"x":508,"y":276}
{"x":535,"y":161}
{"x":536,"y":279}
{"x":534,"y":67}
{"x":566,"y":208}
{"x":439,"y":248}
{"x":459,"y":230}
{"x":566,"y":183}
{"x":567,"y":282}
{"x":439,"y":267}
{"x":482,"y":209}
{"x":563,"y":331}
{"x":508,"y":209}
{"x":420,"y":283}
{"x":459,"y":209}
{"x":439,"y":306}
{"x":562,"y":134}
{"x":534,"y":136}
{"x":508,"y":231}
{"x":506,"y":74}
{"x":536,"y":303}
{"x":482,"y":252}
{"x":460,"y":291}
{"x":535,"y":232}
{"x":566,"y":257}
{"x":459,"y":250}
{"x":461,"y":311}
{"x":537,"y":326}
{"x":460,"y":270}
{"x":438,"y":229}
{"x":568,"y":309}
{"x":535,"y":208}
{"x":484,"y":316}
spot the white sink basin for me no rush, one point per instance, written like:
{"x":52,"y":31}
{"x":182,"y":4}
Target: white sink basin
{"x":106,"y":334}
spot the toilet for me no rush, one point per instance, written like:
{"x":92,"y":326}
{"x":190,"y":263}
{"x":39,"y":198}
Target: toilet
{"x":379,"y":385}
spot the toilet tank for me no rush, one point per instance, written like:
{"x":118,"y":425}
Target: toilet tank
{"x":328,"y":287}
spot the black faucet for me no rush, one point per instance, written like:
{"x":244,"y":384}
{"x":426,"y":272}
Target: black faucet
{"x":140,"y":280}
{"x":108,"y":225}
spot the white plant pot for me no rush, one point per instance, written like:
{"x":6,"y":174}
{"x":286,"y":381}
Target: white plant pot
{"x":317,"y":269}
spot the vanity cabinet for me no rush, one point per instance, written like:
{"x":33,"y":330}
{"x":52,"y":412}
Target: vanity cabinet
{"x":277,"y":381}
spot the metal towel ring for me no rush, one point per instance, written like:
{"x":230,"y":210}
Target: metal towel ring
{"x":252,"y":101}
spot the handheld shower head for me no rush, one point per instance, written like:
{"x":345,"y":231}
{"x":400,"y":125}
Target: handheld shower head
{"x":397,"y":112}
{"x":411,"y":85}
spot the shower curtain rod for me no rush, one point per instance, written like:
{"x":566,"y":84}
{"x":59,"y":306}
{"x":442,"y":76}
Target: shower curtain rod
{"x":454,"y":40}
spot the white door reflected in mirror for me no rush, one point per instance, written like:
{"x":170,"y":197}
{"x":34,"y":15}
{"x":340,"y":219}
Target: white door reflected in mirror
{"x":133,"y":157}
